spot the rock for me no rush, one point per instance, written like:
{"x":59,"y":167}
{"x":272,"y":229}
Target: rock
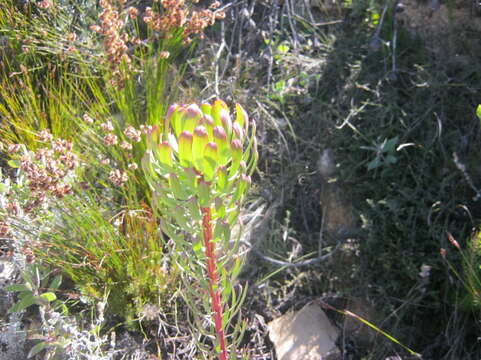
{"x":338,"y":214}
{"x":307,"y":334}
{"x":12,"y":336}
{"x":12,"y":339}
{"x":8,"y":272}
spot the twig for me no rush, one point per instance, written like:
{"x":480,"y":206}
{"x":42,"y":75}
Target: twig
{"x":314,"y":24}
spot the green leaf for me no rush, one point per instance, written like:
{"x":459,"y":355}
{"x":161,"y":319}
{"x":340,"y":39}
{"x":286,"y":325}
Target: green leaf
{"x":14,"y":163}
{"x":197,"y":247}
{"x":169,"y":230}
{"x":209,"y":167}
{"x":283,"y":48}
{"x":36,"y":349}
{"x":27,"y":301}
{"x":280,"y":86}
{"x":391,"y":159}
{"x":204,"y":194}
{"x":18,"y":287}
{"x":193,"y":208}
{"x":200,"y":140}
{"x":390,"y":144}
{"x":49,"y":296}
{"x":164,"y":152}
{"x":206,"y":108}
{"x":180,"y":216}
{"x":221,"y":178}
{"x":177,"y":187}
{"x":55,"y":283}
{"x":374,"y":164}
{"x":241,"y":115}
{"x":185,"y":148}
{"x":236,"y":150}
{"x":478,"y":111}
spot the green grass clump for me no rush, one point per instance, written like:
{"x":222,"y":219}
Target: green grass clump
{"x":122,"y":255}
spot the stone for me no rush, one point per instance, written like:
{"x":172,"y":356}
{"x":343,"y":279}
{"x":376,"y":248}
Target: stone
{"x":306,"y":334}
{"x":12,"y":339}
{"x":12,"y":336}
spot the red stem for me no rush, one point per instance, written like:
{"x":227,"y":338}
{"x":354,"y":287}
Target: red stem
{"x":214,"y":288}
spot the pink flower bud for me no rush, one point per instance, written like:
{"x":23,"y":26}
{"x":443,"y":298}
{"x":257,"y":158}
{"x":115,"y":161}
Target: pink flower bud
{"x":226,"y":120}
{"x":453,"y":241}
{"x":200,"y":131}
{"x":193,"y":110}
{"x":236,"y":145}
{"x":219,"y":133}
{"x":207,"y":120}
{"x":238,"y":132}
{"x":211,"y":150}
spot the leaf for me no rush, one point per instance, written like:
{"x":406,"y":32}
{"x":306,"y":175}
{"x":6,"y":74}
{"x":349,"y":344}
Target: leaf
{"x":27,"y":301}
{"x":372,"y":326}
{"x":197,"y":247}
{"x":391,"y":159}
{"x":283,"y":48}
{"x":49,"y":296}
{"x":203,"y":193}
{"x":374,"y":164}
{"x":280,"y":86}
{"x":36,"y":349}
{"x":18,"y":287}
{"x":478,"y":111}
{"x":55,"y":283}
{"x":390,"y":144}
{"x":241,"y":116}
{"x":375,"y":18}
{"x":14,"y":163}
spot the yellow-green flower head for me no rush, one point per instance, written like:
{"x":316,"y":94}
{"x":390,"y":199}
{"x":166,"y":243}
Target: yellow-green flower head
{"x":192,"y":131}
{"x":205,"y":148}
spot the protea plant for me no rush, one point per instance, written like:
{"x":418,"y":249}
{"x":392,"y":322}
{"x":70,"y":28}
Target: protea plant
{"x":198,"y":165}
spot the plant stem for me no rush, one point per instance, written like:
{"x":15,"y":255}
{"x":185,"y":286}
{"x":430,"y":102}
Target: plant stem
{"x":214,"y":289}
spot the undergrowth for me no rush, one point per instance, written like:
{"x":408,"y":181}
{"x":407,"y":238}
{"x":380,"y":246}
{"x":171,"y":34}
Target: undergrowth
{"x":392,"y":114}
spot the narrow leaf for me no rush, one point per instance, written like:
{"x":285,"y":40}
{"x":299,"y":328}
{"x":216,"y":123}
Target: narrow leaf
{"x":18,"y":287}
{"x":36,"y":349}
